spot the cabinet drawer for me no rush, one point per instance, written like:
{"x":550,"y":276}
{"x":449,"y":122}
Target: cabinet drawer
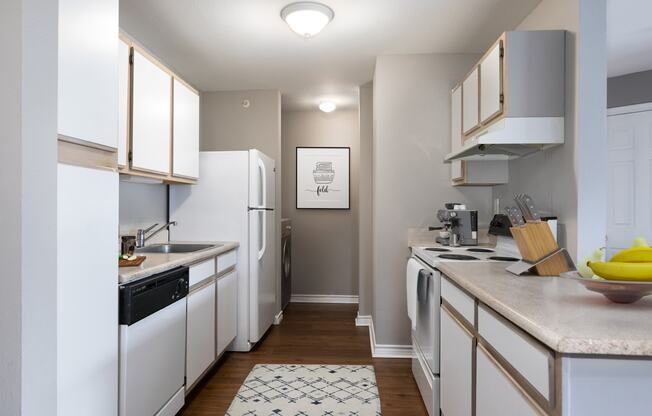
{"x":460,"y":301}
{"x":226,"y":261}
{"x":201,"y":271}
{"x":529,"y":358}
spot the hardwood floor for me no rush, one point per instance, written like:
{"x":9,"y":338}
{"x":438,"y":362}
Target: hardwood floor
{"x":310,"y":334}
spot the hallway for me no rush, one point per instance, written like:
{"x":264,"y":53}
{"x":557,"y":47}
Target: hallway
{"x":310,"y":334}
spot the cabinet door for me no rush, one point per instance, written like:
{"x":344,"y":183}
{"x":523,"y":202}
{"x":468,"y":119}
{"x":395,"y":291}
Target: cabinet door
{"x":185,"y":138}
{"x":227,"y":310}
{"x":456,"y":367}
{"x":88,"y":71}
{"x":200,"y":338}
{"x":151,"y":110}
{"x":496,"y":393}
{"x":491,"y":84}
{"x":123,"y":102}
{"x":87,"y":291}
{"x":470,"y":97}
{"x":457,"y":168}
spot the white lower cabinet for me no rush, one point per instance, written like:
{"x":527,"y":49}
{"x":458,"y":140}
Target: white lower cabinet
{"x":200,"y":336}
{"x":456,"y":367}
{"x":227,"y":309}
{"x":496,"y":393}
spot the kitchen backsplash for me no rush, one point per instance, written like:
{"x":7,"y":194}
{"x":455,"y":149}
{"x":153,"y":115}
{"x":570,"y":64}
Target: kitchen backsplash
{"x":142,"y":205}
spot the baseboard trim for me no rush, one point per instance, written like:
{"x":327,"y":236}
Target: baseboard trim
{"x":278,"y":318}
{"x":324,"y":299}
{"x":362,"y":320}
{"x":386,"y":350}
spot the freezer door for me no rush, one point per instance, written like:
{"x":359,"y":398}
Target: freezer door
{"x":262,"y":180}
{"x":262,"y":276}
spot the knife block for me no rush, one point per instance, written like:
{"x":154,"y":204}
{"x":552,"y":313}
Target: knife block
{"x":536,"y":242}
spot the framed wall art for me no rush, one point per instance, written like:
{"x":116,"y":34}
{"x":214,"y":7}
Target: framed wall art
{"x":323,"y":177}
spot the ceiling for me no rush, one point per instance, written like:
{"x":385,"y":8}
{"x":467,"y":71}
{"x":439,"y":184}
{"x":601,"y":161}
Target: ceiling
{"x":244,"y":44}
{"x":629,"y":36}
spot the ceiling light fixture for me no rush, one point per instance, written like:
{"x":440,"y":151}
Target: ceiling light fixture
{"x":307,"y":18}
{"x":327,"y":106}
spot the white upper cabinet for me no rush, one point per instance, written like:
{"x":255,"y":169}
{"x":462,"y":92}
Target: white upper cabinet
{"x":185,"y":142}
{"x":88,"y":71}
{"x":470,"y":97}
{"x":123,"y":102}
{"x":457,"y":168}
{"x":151,"y":115}
{"x":491,"y":84}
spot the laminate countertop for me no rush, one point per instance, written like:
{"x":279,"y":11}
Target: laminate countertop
{"x":557,"y":311}
{"x":160,"y":262}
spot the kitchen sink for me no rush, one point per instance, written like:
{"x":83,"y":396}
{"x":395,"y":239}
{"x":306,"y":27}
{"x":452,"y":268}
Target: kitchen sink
{"x":175,"y":248}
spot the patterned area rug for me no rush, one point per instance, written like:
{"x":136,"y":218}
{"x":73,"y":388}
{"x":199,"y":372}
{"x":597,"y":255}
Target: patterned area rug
{"x":307,"y":390}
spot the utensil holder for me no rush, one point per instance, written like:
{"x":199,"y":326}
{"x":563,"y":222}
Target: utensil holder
{"x":539,"y":248}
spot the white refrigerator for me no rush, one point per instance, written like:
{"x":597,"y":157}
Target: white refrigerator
{"x":234,"y":200}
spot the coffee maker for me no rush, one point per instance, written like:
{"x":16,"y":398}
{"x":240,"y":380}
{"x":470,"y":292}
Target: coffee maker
{"x":459,"y":226}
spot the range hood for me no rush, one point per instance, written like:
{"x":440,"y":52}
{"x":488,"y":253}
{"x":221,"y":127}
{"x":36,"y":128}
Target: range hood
{"x":511,"y":138}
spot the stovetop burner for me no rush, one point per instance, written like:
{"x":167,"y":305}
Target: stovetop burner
{"x":457,"y":257}
{"x":437,"y":249}
{"x":480,"y":250}
{"x":503,"y":258}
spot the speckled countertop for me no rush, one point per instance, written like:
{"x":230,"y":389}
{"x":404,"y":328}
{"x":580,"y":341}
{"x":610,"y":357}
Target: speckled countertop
{"x":559,"y":312}
{"x":160,"y":262}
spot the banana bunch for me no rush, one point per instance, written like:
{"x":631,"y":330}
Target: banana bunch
{"x":634,"y":263}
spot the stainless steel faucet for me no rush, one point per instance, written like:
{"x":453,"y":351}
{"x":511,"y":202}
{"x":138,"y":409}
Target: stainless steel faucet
{"x":142,"y":237}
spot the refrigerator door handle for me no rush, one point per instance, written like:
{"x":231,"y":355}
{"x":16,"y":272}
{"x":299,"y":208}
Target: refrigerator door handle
{"x":263,"y":182}
{"x":263,"y":223}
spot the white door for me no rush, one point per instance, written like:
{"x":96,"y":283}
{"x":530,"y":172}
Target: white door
{"x":87,"y":291}
{"x":470,"y":97}
{"x":496,"y":394}
{"x":200,"y":332}
{"x":457,"y":166}
{"x":262,"y":181}
{"x":427,"y":327}
{"x":491,"y":84}
{"x":227,"y":310}
{"x":88,"y":71}
{"x":456,"y":368}
{"x":150,"y":145}
{"x":123,"y":102}
{"x":630,"y":179}
{"x":262,"y":272}
{"x":185,"y":138}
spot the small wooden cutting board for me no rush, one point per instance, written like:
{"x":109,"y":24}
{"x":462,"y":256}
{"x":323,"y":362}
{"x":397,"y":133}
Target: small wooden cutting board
{"x":131,"y":263}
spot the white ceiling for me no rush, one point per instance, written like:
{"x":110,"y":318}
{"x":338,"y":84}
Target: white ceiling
{"x":244,"y":44}
{"x":629,"y":36}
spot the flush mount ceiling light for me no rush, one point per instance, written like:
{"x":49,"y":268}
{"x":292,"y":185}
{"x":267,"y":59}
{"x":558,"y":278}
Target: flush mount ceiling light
{"x":327,"y":106}
{"x":307,"y":18}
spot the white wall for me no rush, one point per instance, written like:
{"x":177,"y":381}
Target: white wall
{"x":141,"y":206}
{"x":568,"y":180}
{"x":28,"y":183}
{"x":411,"y":106}
{"x":365,"y":196}
{"x":324,"y":242}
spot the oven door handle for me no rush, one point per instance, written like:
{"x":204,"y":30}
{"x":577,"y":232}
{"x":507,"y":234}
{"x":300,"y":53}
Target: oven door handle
{"x":423,"y":282}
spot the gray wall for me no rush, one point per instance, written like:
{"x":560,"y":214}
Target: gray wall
{"x":324,"y":242}
{"x":28,"y":184}
{"x":564,"y":180}
{"x":142,"y":205}
{"x":226,"y":125}
{"x":411,"y":106}
{"x":629,"y":89}
{"x":365,"y":195}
